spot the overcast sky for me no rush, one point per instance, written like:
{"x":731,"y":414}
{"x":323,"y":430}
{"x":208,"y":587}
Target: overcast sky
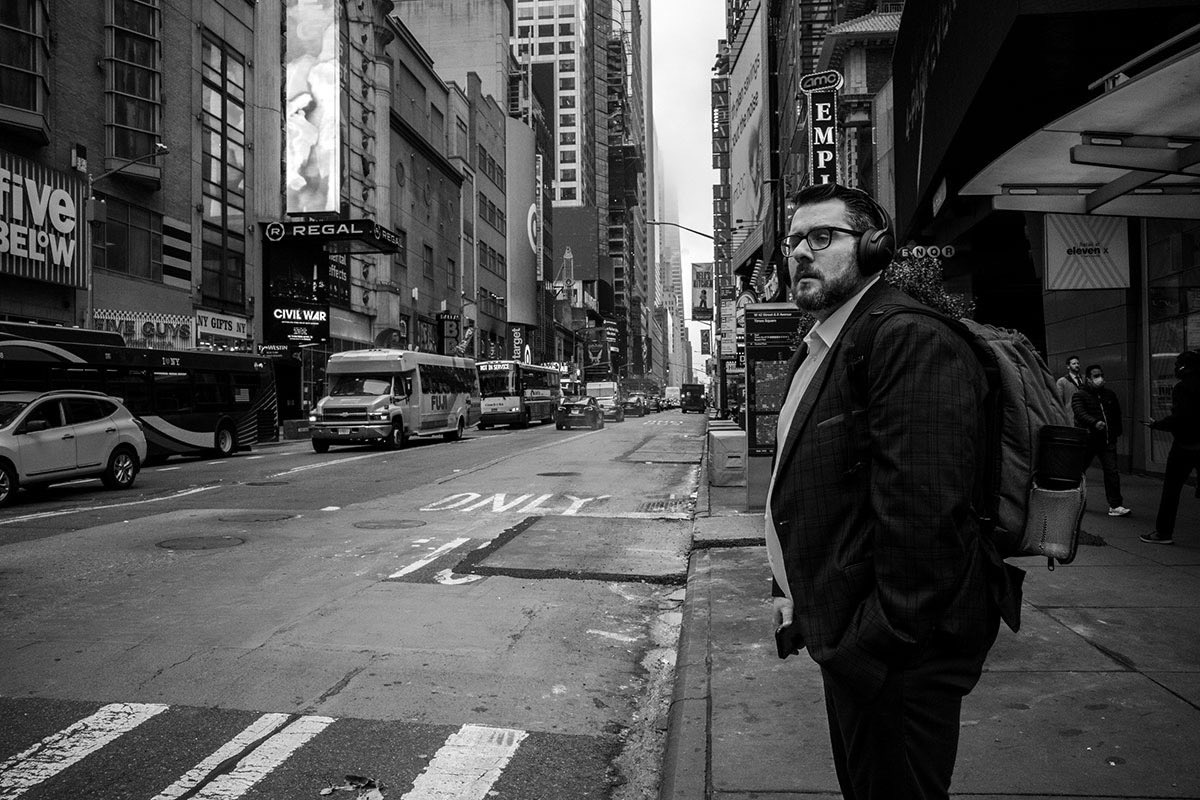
{"x":683,"y":50}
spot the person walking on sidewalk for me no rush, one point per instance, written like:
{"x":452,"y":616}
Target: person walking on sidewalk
{"x":879,"y":567}
{"x":1184,"y":456}
{"x":1097,"y":409}
{"x":1071,"y":382}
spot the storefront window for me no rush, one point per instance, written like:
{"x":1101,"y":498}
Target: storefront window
{"x":1172,"y":311}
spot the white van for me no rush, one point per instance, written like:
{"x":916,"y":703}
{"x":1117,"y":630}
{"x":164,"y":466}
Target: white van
{"x":384,"y":397}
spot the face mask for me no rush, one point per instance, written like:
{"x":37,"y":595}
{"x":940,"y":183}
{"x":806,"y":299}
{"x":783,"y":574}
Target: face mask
{"x":1098,"y":381}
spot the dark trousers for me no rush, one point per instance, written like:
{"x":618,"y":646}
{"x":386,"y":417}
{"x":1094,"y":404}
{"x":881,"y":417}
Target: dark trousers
{"x":1108,"y":463}
{"x":902,"y":744}
{"x":1180,"y":464}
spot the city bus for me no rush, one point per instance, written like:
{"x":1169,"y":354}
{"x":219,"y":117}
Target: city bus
{"x":190,"y":402}
{"x":517,"y":393}
{"x":384,"y":397}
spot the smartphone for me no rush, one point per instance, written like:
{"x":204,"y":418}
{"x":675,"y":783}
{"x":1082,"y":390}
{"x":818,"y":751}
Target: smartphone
{"x":787,"y":640}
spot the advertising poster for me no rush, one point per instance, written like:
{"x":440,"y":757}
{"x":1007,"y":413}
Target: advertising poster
{"x":702,"y":292}
{"x":312,"y":71}
{"x":749,"y":137}
{"x":1086,"y":252}
{"x":728,"y":300}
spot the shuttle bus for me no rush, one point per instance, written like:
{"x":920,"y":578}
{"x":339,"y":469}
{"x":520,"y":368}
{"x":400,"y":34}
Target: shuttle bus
{"x":517,"y":393}
{"x":384,"y":397}
{"x":190,"y":402}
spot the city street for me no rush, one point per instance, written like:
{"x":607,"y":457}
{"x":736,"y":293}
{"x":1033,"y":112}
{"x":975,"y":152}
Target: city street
{"x":504,"y":608}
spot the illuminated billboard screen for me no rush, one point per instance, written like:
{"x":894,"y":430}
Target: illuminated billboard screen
{"x":312,"y":71}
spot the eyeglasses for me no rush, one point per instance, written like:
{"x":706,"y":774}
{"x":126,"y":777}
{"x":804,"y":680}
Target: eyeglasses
{"x":818,"y":238}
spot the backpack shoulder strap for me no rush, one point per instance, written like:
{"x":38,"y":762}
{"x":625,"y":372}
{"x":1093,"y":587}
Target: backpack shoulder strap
{"x":858,"y":358}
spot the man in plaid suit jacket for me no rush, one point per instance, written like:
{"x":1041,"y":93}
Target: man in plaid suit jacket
{"x":879,"y":568}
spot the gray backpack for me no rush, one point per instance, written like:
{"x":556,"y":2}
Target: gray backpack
{"x":1032,"y":495}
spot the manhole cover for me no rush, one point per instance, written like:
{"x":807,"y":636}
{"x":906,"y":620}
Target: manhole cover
{"x":252,"y":517}
{"x":266,"y":483}
{"x":677,"y":504}
{"x":201,"y":542}
{"x":557,"y":474}
{"x":388,"y":524}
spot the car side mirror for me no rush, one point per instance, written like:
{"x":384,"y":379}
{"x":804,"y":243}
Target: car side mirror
{"x":35,"y":425}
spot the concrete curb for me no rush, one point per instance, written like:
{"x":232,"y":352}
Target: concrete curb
{"x":686,"y":771}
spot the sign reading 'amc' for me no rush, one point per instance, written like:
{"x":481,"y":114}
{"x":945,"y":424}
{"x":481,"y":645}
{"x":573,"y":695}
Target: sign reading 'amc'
{"x":821,"y":88}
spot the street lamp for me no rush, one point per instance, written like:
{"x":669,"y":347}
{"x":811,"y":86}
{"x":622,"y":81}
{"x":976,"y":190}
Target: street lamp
{"x":160,"y":149}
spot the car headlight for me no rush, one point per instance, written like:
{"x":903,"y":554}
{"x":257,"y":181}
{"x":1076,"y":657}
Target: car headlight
{"x":315,"y":416}
{"x":380,"y":415}
{"x":562,"y":409}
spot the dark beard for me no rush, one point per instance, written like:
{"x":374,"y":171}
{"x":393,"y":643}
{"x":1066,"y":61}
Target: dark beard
{"x":830,"y":294}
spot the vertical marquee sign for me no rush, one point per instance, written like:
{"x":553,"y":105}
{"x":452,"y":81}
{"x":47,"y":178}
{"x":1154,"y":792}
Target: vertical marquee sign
{"x":821,"y":89}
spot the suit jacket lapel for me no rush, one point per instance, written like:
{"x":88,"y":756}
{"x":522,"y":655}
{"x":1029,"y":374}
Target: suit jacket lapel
{"x":869,"y":302}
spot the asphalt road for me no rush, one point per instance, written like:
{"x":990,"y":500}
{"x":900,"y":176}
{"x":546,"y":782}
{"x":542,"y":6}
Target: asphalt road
{"x":502,"y":608}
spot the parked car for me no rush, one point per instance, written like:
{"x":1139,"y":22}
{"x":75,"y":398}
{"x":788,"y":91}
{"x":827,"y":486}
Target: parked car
{"x":654,"y":403}
{"x":51,"y":437}
{"x":634,"y":405}
{"x":578,"y":410}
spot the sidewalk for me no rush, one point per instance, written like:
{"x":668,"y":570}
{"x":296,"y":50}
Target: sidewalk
{"x":1098,"y":696}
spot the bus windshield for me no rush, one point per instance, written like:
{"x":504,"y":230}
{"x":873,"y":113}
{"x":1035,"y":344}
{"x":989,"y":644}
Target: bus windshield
{"x":358,"y":385}
{"x":496,"y":384}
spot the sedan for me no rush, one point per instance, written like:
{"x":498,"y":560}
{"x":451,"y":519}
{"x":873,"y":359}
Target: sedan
{"x":578,"y":410}
{"x":634,"y":405}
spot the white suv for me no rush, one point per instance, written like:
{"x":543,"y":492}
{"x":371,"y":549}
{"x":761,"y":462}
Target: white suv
{"x":50,"y":437}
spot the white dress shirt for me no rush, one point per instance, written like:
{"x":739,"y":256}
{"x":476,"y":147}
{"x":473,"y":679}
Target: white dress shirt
{"x":820,"y":341}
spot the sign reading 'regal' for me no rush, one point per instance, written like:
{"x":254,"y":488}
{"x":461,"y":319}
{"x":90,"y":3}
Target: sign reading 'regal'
{"x":821,"y":88}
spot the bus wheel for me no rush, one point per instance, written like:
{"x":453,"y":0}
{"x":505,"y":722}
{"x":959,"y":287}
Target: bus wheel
{"x":455,"y":434}
{"x":226,"y":442}
{"x":320,"y":446}
{"x":396,"y":439}
{"x":524,"y":421}
{"x":121,"y":470}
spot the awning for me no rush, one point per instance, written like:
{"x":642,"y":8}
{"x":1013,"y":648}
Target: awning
{"x":1134,"y":152}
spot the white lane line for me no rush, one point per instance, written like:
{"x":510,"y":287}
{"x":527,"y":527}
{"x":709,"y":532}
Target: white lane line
{"x":58,"y":751}
{"x":65,"y":511}
{"x":263,"y":726}
{"x":167,"y":469}
{"x":322,"y":464}
{"x":467,"y":765}
{"x":265,"y":758}
{"x":429,"y":559}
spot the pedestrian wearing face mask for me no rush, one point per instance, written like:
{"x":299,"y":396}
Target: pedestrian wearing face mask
{"x":1097,"y":409}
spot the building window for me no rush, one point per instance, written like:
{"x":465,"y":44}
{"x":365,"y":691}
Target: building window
{"x":567,"y":156}
{"x":427,"y":261}
{"x":566,"y":84}
{"x":451,"y":273}
{"x":545,"y":30}
{"x":545,"y":12}
{"x":566,"y":138}
{"x":566,"y":101}
{"x":223,"y":172}
{"x":566,"y":47}
{"x":524,"y":31}
{"x":566,"y":29}
{"x":522,"y":49}
{"x":545,"y":48}
{"x":568,"y":175}
{"x":566,"y":65}
{"x":402,"y":249}
{"x":525,"y":13}
{"x":131,"y":240}
{"x":23,"y":54}
{"x":566,"y":120}
{"x":567,"y":194}
{"x":133,"y":77}
{"x":566,"y":10}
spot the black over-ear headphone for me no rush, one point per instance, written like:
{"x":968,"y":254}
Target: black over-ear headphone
{"x":877,"y":245}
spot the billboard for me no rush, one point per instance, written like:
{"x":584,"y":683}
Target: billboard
{"x":312,"y":71}
{"x":749,"y":138}
{"x":702,"y":292}
{"x":41,"y":223}
{"x":1086,"y":252}
{"x":523,"y":228}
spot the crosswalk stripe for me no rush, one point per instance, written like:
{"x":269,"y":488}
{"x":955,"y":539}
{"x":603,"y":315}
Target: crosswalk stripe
{"x":467,"y":765}
{"x":263,"y":726}
{"x":58,"y":751}
{"x":266,"y":757}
